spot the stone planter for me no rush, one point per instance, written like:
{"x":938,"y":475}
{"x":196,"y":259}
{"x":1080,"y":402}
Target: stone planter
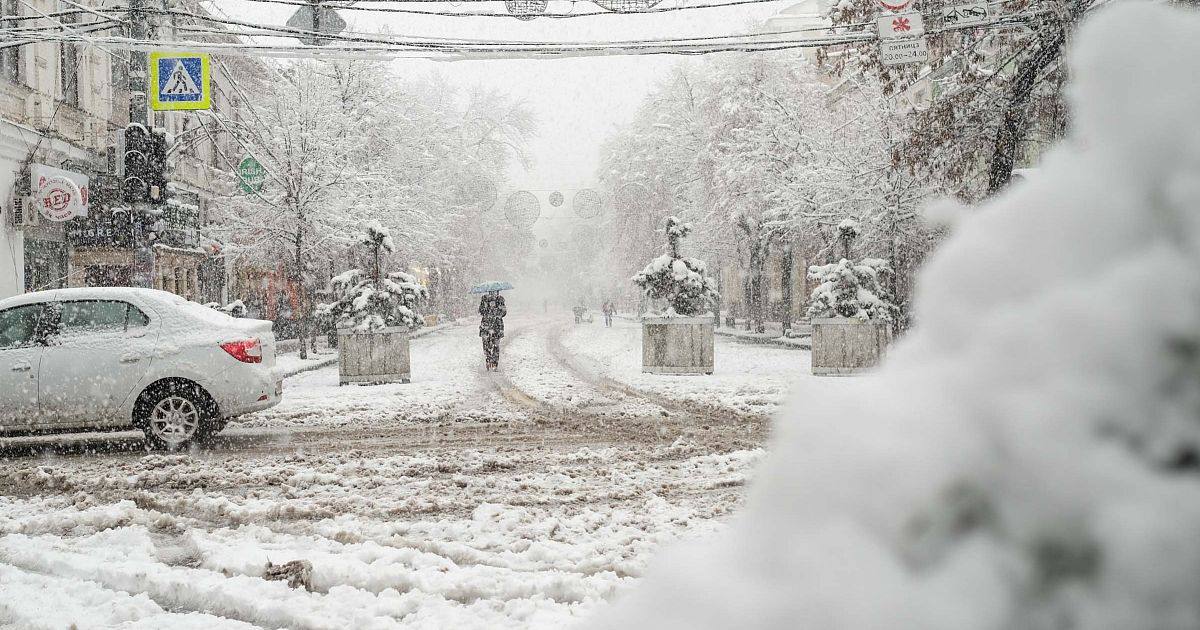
{"x":677,"y":345}
{"x":845,"y":346}
{"x":379,"y":356}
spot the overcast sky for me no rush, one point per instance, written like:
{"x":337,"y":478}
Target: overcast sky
{"x":578,"y":102}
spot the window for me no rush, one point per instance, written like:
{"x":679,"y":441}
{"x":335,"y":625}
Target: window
{"x":68,"y":65}
{"x":89,"y":316}
{"x":137,"y":319}
{"x":19,"y":326}
{"x":92,"y":315}
{"x":10,"y":57}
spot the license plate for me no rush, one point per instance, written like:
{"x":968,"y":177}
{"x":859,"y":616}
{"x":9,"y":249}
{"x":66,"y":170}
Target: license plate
{"x":279,"y":388}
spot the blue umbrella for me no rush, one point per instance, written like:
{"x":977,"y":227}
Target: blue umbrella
{"x":488,"y":287}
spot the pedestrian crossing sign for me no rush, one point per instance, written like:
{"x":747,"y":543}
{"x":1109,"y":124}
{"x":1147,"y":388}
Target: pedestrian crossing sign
{"x":179,"y":81}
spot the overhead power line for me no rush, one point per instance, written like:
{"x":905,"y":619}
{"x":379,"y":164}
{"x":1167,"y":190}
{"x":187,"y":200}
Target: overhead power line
{"x":378,"y":6}
{"x":385,"y":46}
{"x":263,"y":30}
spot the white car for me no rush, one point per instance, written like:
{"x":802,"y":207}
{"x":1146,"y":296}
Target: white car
{"x":107,"y":358}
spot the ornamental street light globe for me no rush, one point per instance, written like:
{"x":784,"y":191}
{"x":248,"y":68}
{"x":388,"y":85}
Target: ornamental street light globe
{"x":522,"y":209}
{"x":627,"y":6}
{"x":526,"y":9}
{"x":586,"y":204}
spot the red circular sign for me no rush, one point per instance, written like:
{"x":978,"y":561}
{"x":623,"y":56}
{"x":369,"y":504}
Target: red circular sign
{"x":59,"y":198}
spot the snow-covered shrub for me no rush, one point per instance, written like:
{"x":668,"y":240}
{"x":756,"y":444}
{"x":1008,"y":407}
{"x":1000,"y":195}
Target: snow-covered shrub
{"x":373,"y":300}
{"x":1029,"y":458}
{"x":682,"y":282}
{"x":849,"y":289}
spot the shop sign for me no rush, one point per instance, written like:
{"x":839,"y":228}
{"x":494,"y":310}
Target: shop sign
{"x":58,"y":199}
{"x":40,"y":173}
{"x":102,"y":229}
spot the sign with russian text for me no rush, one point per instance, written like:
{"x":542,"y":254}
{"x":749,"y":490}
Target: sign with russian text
{"x":894,"y":52}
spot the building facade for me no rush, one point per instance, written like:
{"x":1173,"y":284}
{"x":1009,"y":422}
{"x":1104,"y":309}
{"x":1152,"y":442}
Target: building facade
{"x":65,"y":106}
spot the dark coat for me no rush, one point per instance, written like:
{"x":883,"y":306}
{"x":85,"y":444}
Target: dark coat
{"x":492,"y":312}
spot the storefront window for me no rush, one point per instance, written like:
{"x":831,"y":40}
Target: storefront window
{"x":107,"y":276}
{"x":45,"y":265}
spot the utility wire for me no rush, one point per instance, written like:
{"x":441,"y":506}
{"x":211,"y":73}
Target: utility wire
{"x":359,"y":37}
{"x":377,"y":7}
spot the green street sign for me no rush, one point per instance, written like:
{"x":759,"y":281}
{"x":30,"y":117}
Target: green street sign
{"x":251,"y":174}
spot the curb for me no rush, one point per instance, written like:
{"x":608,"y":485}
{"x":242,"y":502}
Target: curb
{"x":791,"y":343}
{"x":334,"y":359}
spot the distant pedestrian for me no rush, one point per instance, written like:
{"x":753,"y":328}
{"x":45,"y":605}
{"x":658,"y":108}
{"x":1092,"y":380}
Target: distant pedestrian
{"x":578,"y":310}
{"x":491,"y":327}
{"x":609,"y":310}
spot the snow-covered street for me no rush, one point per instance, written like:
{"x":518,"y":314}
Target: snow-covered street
{"x":526,"y":497}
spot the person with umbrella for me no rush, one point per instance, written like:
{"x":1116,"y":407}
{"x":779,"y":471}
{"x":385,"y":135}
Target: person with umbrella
{"x":491,"y":320}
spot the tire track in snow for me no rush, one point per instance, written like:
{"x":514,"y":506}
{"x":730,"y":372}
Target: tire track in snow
{"x":662,"y":418}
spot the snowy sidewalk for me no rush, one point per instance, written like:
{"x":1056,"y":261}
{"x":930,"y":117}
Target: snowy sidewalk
{"x":748,"y":379}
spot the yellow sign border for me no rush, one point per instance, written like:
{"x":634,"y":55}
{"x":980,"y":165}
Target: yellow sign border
{"x":205,"y":101}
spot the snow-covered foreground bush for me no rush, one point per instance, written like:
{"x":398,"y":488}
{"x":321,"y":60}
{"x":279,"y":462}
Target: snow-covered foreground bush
{"x":1028,"y":459}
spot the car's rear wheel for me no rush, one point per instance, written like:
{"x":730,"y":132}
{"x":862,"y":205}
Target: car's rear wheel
{"x":173,"y":414}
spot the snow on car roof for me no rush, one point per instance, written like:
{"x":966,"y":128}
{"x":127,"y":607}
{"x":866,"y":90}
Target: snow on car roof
{"x":93,"y":293}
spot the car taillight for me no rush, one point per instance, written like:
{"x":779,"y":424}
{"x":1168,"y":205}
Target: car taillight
{"x":248,"y":351}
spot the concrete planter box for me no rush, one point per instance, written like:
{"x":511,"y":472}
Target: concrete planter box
{"x":379,"y":356}
{"x":844,"y":346}
{"x":677,"y":345}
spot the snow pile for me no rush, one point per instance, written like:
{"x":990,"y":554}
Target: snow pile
{"x":848,"y":289}
{"x":682,"y":282}
{"x":236,"y":308}
{"x":1028,"y":459}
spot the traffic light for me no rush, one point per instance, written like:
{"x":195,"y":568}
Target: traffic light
{"x":145,"y":165}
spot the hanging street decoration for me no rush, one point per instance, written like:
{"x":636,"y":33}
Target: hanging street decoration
{"x":586,"y":204}
{"x":526,"y":9}
{"x":475,"y":192}
{"x":632,"y":198}
{"x":179,"y":81}
{"x":522,"y":209}
{"x":627,"y":6}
